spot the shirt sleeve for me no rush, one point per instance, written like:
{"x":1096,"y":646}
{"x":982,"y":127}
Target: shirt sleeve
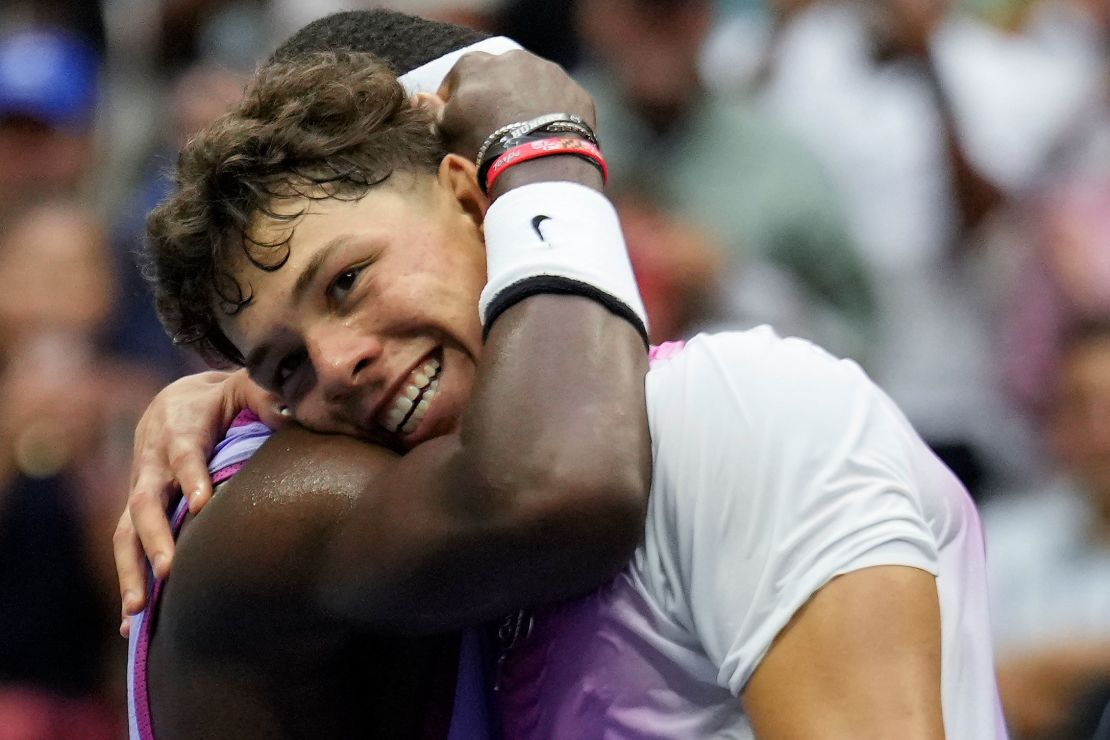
{"x":244,"y":438}
{"x":778,"y":468}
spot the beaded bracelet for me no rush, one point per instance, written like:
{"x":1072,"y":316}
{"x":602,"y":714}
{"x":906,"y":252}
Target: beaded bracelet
{"x":495,"y":143}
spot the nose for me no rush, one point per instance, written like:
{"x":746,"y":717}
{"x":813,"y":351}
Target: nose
{"x":342,"y":358}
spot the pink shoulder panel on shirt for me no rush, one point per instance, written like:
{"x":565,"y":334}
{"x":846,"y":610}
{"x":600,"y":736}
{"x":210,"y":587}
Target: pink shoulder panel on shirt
{"x":665,"y":351}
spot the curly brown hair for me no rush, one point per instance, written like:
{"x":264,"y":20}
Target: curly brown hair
{"x":318,"y":126}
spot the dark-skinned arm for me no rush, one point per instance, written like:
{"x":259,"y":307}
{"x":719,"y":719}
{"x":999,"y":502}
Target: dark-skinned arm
{"x":539,"y":496}
{"x":553,"y":450}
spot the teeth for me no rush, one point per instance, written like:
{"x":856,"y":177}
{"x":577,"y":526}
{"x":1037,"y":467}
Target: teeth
{"x":423,"y":379}
{"x":421,"y":408}
{"x":402,"y":404}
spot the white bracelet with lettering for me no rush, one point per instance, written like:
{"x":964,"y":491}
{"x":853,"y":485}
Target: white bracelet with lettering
{"x":558,"y":237}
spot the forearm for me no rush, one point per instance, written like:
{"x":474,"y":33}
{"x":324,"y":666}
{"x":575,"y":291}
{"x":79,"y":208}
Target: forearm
{"x":559,"y":393}
{"x":508,"y":513}
{"x":540,"y":495}
{"x":466,"y":526}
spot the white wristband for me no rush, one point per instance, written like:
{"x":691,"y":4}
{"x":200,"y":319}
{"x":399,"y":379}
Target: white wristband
{"x":429,"y":77}
{"x":557,"y":237}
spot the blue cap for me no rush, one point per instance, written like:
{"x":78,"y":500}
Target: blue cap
{"x":48,"y":75}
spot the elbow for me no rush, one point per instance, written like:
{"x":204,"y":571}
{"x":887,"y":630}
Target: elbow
{"x":615,"y":529}
{"x":593,"y":509}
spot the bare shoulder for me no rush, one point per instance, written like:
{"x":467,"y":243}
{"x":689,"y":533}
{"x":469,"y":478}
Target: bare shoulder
{"x":240,"y":635}
{"x":248,"y":563}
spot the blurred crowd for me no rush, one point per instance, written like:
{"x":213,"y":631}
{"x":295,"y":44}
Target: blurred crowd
{"x":920,"y":185}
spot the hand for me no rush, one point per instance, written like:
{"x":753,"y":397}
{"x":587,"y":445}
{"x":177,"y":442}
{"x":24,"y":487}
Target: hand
{"x":173,"y":441}
{"x":484,"y":92}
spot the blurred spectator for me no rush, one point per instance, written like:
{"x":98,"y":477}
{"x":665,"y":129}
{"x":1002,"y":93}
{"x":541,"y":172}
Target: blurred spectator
{"x":927,"y":119}
{"x":480,"y":14}
{"x":232,"y":32}
{"x":1065,"y":277}
{"x":1064,"y":227}
{"x":64,"y":449}
{"x":1049,"y":558}
{"x":200,"y":95}
{"x":718,"y":162}
{"x":676,"y":265}
{"x":82,"y":18}
{"x":48,"y":100}
{"x":544,"y":27}
{"x":914,"y":123}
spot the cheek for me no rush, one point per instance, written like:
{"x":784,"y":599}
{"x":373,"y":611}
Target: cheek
{"x":313,"y":414}
{"x":449,"y":292}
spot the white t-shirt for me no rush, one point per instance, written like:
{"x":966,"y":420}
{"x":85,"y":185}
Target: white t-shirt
{"x":777,"y":468}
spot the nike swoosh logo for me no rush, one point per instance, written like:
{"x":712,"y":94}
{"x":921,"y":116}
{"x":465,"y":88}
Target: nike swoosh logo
{"x":536,"y":221}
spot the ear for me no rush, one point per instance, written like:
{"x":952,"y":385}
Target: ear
{"x":459,"y":177}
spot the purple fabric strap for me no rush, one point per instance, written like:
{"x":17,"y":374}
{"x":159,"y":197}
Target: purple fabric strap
{"x":243,"y":439}
{"x":139,"y":704}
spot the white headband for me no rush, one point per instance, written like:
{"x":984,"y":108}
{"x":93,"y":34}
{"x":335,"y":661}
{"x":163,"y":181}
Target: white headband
{"x":428,"y":77}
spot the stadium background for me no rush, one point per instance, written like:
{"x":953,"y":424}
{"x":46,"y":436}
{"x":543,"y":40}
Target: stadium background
{"x":921,"y":185}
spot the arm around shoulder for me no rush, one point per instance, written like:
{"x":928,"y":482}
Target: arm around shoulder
{"x":247,"y":566}
{"x":540,"y":496}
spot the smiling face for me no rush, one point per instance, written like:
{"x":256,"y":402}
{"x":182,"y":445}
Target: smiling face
{"x":371,"y":327}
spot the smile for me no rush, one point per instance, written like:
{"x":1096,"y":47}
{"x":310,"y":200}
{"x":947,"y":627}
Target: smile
{"x":407,"y":409}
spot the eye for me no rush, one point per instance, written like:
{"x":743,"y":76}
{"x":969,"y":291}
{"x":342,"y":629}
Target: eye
{"x":344,"y":282}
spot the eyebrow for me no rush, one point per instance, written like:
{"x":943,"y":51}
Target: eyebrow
{"x":312,"y":269}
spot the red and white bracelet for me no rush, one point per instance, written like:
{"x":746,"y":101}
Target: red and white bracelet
{"x":529,"y":149}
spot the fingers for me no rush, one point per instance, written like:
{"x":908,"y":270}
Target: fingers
{"x":483,"y":92}
{"x":130,"y":569}
{"x":172,"y":444}
{"x":146,"y":506}
{"x":189,"y":468}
